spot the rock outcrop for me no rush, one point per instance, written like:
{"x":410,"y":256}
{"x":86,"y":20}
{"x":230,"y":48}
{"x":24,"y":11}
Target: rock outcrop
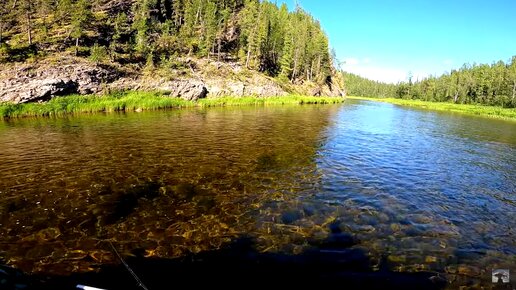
{"x":35,"y":83}
{"x":263,"y":88}
{"x":186,"y":89}
{"x":42,"y":81}
{"x":37,"y":90}
{"x":196,"y":88}
{"x":330,"y":88}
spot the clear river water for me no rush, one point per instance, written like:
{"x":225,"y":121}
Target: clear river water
{"x":406,"y":190}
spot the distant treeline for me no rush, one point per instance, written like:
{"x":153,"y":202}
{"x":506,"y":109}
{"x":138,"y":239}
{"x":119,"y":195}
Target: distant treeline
{"x":362,"y":87}
{"x":493,"y":84}
{"x":261,"y":35}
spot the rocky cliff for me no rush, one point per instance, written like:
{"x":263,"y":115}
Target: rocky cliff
{"x":201,"y":78}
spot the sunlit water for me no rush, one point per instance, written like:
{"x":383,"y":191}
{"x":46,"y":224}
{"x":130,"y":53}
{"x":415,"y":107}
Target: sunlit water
{"x":414,"y":190}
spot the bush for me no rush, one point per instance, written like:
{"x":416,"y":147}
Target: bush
{"x":17,"y":54}
{"x":82,"y":51}
{"x":98,"y":53}
{"x":4,"y":52}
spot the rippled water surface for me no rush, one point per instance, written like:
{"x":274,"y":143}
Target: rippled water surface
{"x":412,"y":190}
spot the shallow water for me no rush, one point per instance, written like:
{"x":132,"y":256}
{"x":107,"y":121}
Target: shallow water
{"x":413,"y":190}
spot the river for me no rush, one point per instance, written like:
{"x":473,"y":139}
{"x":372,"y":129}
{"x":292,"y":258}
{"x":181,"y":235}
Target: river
{"x":407,"y":190}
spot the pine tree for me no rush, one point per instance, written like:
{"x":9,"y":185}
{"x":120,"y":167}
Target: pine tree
{"x":323,"y":59}
{"x":26,"y":10}
{"x":190,"y":28}
{"x":121,"y":29}
{"x":209,"y":27}
{"x":141,"y":25}
{"x":81,"y":17}
{"x":45,"y":8}
{"x":248,"y":36}
{"x":177,"y":13}
{"x":262,"y":37}
{"x":3,"y":18}
{"x":64,"y":11}
{"x":287,"y":56}
{"x":222,"y":26}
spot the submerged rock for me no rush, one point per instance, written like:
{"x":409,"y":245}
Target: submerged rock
{"x":397,"y":259}
{"x":468,"y":271}
{"x":75,"y":255}
{"x":291,"y":216}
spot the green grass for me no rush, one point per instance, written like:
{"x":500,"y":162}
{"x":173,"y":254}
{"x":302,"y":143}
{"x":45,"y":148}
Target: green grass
{"x":137,"y":101}
{"x":479,"y":110}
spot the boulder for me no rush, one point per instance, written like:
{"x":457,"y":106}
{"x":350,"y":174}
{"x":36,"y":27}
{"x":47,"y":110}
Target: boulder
{"x":38,"y":90}
{"x":40,"y":83}
{"x":90,"y":79}
{"x":186,"y":89}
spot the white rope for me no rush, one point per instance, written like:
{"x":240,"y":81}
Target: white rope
{"x":140,"y":283}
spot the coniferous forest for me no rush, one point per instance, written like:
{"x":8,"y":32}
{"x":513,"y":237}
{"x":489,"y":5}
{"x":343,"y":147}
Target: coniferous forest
{"x":493,"y":84}
{"x":290,"y":45}
{"x":267,"y":38}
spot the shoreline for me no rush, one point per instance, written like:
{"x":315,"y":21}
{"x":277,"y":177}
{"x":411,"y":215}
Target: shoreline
{"x":137,"y":101}
{"x":508,"y":114}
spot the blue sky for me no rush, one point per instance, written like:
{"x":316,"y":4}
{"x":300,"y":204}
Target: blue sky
{"x":386,"y":39}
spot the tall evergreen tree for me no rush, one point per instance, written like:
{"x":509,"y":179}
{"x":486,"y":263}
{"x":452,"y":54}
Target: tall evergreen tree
{"x":141,"y":19}
{"x":249,"y":31}
{"x":287,"y":55}
{"x":64,"y":11}
{"x":81,"y":17}
{"x":26,"y":10}
{"x":209,"y":26}
{"x":3,"y":18}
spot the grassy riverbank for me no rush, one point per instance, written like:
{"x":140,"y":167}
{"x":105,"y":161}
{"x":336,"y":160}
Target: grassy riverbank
{"x":479,"y":110}
{"x":138,"y":101}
